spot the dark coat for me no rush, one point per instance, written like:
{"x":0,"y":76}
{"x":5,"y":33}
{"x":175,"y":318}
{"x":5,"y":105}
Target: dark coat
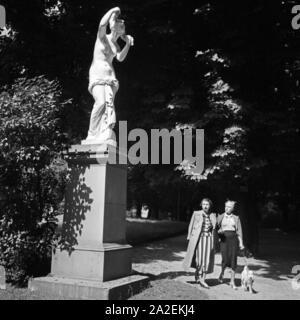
{"x":194,"y":233}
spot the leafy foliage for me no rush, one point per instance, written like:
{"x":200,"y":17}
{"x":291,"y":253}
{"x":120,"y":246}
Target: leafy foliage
{"x":31,"y":174}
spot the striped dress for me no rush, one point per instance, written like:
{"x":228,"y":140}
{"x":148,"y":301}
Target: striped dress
{"x":205,"y":248}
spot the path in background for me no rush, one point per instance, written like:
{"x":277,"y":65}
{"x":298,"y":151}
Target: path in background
{"x":279,"y":252}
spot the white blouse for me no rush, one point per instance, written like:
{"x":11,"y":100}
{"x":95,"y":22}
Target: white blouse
{"x":228,"y":223}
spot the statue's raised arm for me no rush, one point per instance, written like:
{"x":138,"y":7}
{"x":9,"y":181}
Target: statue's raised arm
{"x":112,"y":14}
{"x":103,"y":84}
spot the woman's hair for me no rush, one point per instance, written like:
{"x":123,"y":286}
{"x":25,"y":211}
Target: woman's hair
{"x":207,"y":200}
{"x":231,"y":202}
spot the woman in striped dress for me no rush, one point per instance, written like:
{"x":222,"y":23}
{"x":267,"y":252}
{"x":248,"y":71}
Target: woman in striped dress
{"x":200,"y":252}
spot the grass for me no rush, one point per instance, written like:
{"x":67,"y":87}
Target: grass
{"x":170,"y":290}
{"x":142,"y":231}
{"x":13,"y":293}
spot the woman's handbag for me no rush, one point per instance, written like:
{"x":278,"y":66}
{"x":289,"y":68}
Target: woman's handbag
{"x":220,"y":231}
{"x":221,"y":234}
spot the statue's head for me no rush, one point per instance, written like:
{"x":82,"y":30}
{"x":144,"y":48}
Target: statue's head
{"x":117,"y":25}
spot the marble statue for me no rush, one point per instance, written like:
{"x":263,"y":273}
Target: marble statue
{"x":103,"y":84}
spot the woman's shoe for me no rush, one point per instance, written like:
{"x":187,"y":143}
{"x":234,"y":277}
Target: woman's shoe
{"x":204,"y":284}
{"x":220,"y":280}
{"x":233,"y":286}
{"x":196,"y":276}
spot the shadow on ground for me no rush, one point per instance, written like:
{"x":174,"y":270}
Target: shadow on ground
{"x":279,"y":253}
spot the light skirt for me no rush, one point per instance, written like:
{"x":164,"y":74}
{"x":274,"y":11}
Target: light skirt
{"x":205,"y":254}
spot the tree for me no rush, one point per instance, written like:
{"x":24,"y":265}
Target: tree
{"x":31,"y":172}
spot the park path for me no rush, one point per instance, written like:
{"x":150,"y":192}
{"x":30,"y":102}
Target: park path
{"x":279,"y":252}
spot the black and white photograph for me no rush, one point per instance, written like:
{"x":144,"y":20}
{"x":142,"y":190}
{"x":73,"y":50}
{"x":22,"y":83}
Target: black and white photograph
{"x":149,"y":151}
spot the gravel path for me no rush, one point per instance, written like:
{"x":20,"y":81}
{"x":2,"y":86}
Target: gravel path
{"x":162,"y":261}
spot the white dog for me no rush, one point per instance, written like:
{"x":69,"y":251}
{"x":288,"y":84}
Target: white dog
{"x":247,"y":279}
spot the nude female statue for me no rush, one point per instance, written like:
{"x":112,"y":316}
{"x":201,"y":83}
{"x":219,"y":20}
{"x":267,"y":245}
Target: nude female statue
{"x":103,"y":84}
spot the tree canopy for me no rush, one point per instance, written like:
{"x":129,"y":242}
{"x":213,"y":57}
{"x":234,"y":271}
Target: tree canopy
{"x":231,"y":68}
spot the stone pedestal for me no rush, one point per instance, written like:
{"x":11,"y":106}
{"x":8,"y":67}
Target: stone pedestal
{"x":94,"y":257}
{"x":2,"y":278}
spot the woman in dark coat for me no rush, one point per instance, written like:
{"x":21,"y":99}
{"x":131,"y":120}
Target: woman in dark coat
{"x":200,"y":253}
{"x":230,"y":233}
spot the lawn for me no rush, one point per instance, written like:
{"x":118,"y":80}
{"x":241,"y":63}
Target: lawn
{"x":141,"y":231}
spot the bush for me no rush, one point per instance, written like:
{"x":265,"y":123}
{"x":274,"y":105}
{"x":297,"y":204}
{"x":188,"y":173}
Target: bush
{"x":32,"y":175}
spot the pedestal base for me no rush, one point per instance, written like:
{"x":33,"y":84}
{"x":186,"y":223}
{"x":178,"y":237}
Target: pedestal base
{"x":93,"y":252}
{"x":91,"y":142}
{"x":102,"y":262}
{"x":76,"y":289}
